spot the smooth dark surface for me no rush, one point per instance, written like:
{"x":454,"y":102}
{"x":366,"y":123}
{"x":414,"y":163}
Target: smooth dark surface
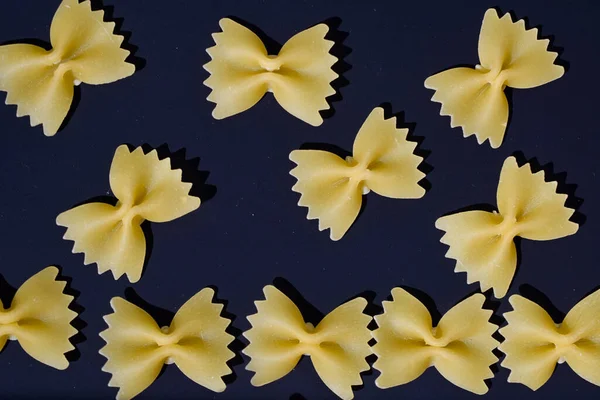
{"x":252,"y":231}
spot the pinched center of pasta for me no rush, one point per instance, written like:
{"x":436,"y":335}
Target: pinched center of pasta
{"x":129,"y":213}
{"x":165,"y":340}
{"x":61,"y":65}
{"x":358,"y":174}
{"x":495,"y":77}
{"x":509,"y":227}
{"x":436,"y":339}
{"x":563,"y":341}
{"x":270,"y":64}
{"x":309,"y":340}
{"x":9,"y":322}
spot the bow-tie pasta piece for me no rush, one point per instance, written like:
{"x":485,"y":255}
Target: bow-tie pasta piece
{"x":383,"y":161}
{"x":241,"y":72}
{"x":84,"y":49}
{"x":510,"y":55}
{"x":460,"y":347}
{"x":39,"y":318}
{"x":337,"y":346}
{"x":111,"y":236}
{"x":137,"y":348}
{"x":482,"y":243}
{"x":533,"y":343}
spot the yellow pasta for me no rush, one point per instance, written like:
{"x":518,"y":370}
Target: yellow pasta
{"x":460,"y":347}
{"x":84,"y":49}
{"x":39,"y":318}
{"x":533,"y":343}
{"x":510,"y":55}
{"x":383,"y":161}
{"x":482,"y":243}
{"x":111,"y":236}
{"x":337,"y":346}
{"x":241,"y":72}
{"x":137,"y":348}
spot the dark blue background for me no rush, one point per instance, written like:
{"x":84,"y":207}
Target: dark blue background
{"x":251,"y":231}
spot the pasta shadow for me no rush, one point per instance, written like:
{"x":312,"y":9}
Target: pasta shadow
{"x":401,"y":123}
{"x":77,"y":322}
{"x":551,"y":38}
{"x":138,"y":62}
{"x":426,"y":300}
{"x":492,"y":304}
{"x":340,"y":51}
{"x":189,"y":170}
{"x":297,"y":396}
{"x":563,"y":187}
{"x":310,"y":313}
{"x":535,"y":295}
{"x":189,"y":173}
{"x":273,"y":47}
{"x":236,"y":345}
{"x":372,"y":309}
{"x":7,"y":292}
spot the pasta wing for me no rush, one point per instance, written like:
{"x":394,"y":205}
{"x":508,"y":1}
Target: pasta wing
{"x":40,"y":319}
{"x":236,"y":78}
{"x":391,"y":167}
{"x":303,"y":81}
{"x":401,"y":350}
{"x":515,"y":53}
{"x":134,"y":357}
{"x":274,"y":338}
{"x":538,"y":212}
{"x":473,"y":103}
{"x":86,"y":45}
{"x":468,"y":353}
{"x":201,"y":352}
{"x":111,"y":236}
{"x":148,"y":187}
{"x":328,"y":188}
{"x":477,"y":243}
{"x":344,"y":344}
{"x":84,"y":49}
{"x":528,"y":343}
{"x":113,"y":243}
{"x":582,"y":327}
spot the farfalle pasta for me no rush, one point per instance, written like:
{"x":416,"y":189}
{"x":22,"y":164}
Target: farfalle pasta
{"x":460,"y":347}
{"x":482,"y":243}
{"x":111,"y":236}
{"x":84,"y":49}
{"x":137,"y":348}
{"x":510,"y":55}
{"x":533,"y":343}
{"x":383,"y":160}
{"x":337,"y":346}
{"x":241,"y":72}
{"x":39,"y":318}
